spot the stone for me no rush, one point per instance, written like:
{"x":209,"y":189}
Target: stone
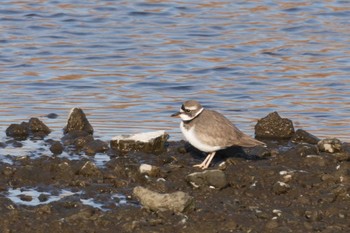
{"x":81,"y":141}
{"x":274,"y":127}
{"x":176,"y":202}
{"x":89,"y":169}
{"x":315,"y":160}
{"x":330,"y":145}
{"x":56,"y":148}
{"x":52,"y":115}
{"x":301,"y":136}
{"x":95,"y":146}
{"x":34,"y":127}
{"x":17,"y":131}
{"x":303,"y":150}
{"x":280,"y":188}
{"x":37,"y":126}
{"x":77,"y":121}
{"x":24,"y":197}
{"x":151,"y":142}
{"x":72,"y":138}
{"x":215,"y":178}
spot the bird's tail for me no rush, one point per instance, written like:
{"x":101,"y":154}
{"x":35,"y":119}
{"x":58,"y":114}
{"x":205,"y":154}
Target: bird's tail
{"x":250,"y":142}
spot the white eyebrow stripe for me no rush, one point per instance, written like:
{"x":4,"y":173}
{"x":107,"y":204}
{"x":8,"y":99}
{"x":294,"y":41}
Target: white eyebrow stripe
{"x":191,"y":108}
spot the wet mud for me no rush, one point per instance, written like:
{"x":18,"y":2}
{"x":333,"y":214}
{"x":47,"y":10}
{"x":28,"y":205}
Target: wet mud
{"x":296,"y":184}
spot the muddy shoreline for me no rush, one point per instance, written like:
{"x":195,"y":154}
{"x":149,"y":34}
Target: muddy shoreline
{"x":299,"y":183}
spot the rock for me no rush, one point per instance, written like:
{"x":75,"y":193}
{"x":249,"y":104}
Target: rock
{"x":280,"y":188}
{"x":56,"y":148}
{"x":52,"y":115}
{"x":149,"y":170}
{"x":96,"y":146}
{"x":82,"y":141}
{"x":274,"y":127}
{"x":89,"y":169}
{"x":303,"y":150}
{"x":215,"y":178}
{"x":301,"y":136}
{"x":43,"y":197}
{"x":77,"y":137}
{"x":21,"y":131}
{"x":175,"y":202}
{"x":331,"y":145}
{"x":24,"y":197}
{"x":151,"y":142}
{"x":77,"y":121}
{"x":315,"y":161}
{"x":18,"y":131}
{"x":37,"y":126}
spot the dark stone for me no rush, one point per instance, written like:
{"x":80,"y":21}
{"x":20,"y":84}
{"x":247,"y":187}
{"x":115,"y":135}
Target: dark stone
{"x":315,"y":161}
{"x":77,"y":121}
{"x":2,"y":145}
{"x":71,"y":137}
{"x":17,"y":131}
{"x":90,"y":169}
{"x":301,"y":136}
{"x":36,"y":125}
{"x":81,"y":141}
{"x":274,"y":127}
{"x":43,"y":197}
{"x":25,"y":197}
{"x":96,"y":146}
{"x":303,"y":150}
{"x":56,"y":148}
{"x":52,"y":115}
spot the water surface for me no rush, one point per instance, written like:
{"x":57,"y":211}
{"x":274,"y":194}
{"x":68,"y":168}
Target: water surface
{"x":130,"y":64}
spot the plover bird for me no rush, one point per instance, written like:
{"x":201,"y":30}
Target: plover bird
{"x":210,"y":131}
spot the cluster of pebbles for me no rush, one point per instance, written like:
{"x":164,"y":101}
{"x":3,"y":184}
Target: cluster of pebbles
{"x":297,"y":183}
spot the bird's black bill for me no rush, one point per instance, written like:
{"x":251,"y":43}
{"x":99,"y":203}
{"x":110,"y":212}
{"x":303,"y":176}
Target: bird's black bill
{"x":175,"y":114}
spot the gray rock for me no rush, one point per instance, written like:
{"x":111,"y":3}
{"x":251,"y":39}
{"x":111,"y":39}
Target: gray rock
{"x":175,"y":202}
{"x":215,"y":178}
{"x":301,"y":136}
{"x":331,"y":145}
{"x":152,"y":142}
{"x":77,"y":121}
{"x":274,"y":127}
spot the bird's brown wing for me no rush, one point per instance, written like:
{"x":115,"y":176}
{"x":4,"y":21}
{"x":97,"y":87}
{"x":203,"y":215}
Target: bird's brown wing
{"x":214,"y":129}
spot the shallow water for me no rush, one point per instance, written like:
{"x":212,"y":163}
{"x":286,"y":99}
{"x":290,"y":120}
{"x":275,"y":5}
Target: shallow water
{"x":130,"y":64}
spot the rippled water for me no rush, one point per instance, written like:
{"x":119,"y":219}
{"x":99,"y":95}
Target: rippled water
{"x":129,"y":64}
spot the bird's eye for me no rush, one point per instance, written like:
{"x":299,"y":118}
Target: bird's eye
{"x":187,"y":110}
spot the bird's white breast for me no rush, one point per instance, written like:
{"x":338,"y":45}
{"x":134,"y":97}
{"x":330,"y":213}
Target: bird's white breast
{"x":191,"y":137}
